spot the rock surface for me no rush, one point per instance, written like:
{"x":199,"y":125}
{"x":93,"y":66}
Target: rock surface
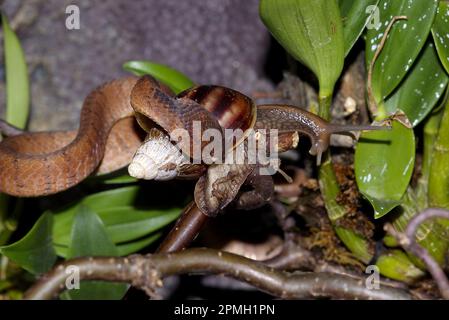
{"x":213,"y":41}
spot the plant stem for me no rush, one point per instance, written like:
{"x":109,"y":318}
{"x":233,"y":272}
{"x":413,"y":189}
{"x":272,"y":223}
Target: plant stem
{"x":324,"y":106}
{"x":330,"y":190}
{"x":430,"y":134}
{"x":145,"y":272}
{"x":185,"y":230}
{"x":438,"y":193}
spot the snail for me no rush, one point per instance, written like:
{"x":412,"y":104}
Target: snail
{"x":218,"y":108}
{"x":213,"y":107}
{"x":43,"y":163}
{"x":232,"y":110}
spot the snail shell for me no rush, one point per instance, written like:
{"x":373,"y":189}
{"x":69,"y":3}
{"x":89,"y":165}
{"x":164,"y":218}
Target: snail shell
{"x":159,"y":158}
{"x":231,"y":108}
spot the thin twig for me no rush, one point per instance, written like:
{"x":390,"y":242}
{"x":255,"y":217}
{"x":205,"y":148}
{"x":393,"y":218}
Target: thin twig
{"x":408,"y":241}
{"x":292,"y":257}
{"x":372,"y":102}
{"x":146,"y":272}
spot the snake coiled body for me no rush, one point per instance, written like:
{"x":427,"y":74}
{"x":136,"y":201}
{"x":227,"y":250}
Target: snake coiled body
{"x":43,"y":163}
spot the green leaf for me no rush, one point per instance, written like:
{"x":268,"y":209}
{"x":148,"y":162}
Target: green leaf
{"x":122,"y":179}
{"x":395,"y":264}
{"x":355,"y":15}
{"x":124,"y":196}
{"x":132,"y":247}
{"x":34,"y":252}
{"x":430,"y":234}
{"x":124,"y":223}
{"x":330,"y":190}
{"x":440,"y":32}
{"x":438,"y":189}
{"x":384,"y":163}
{"x":421,"y":89}
{"x":89,"y":238}
{"x":120,"y":176}
{"x":174,"y":79}
{"x":311,"y":31}
{"x":356,"y":243}
{"x":123,"y":249}
{"x":403,"y":45}
{"x":17,"y":83}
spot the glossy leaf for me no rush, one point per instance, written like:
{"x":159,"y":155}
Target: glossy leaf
{"x":123,"y":249}
{"x":120,"y":176}
{"x":17,"y":82}
{"x":395,"y":264}
{"x":34,"y":252}
{"x":122,"y":179}
{"x":421,"y":89}
{"x":440,"y":32}
{"x":356,"y":14}
{"x":135,"y":246}
{"x":89,"y":238}
{"x":123,"y":223}
{"x":311,"y":31}
{"x":404,"y":42}
{"x":384,"y":163}
{"x":102,"y":200}
{"x":430,"y":235}
{"x":174,"y":79}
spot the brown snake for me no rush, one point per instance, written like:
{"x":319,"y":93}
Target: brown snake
{"x":43,"y":163}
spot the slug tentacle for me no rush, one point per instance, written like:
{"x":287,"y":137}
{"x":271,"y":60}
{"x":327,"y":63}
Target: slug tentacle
{"x":344,"y":129}
{"x":287,"y":118}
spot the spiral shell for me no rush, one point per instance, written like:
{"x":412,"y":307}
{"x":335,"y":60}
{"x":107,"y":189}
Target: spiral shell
{"x":157,"y":158}
{"x":231,"y":108}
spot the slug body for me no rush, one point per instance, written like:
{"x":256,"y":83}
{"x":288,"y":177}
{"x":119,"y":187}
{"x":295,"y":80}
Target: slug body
{"x":286,"y":118}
